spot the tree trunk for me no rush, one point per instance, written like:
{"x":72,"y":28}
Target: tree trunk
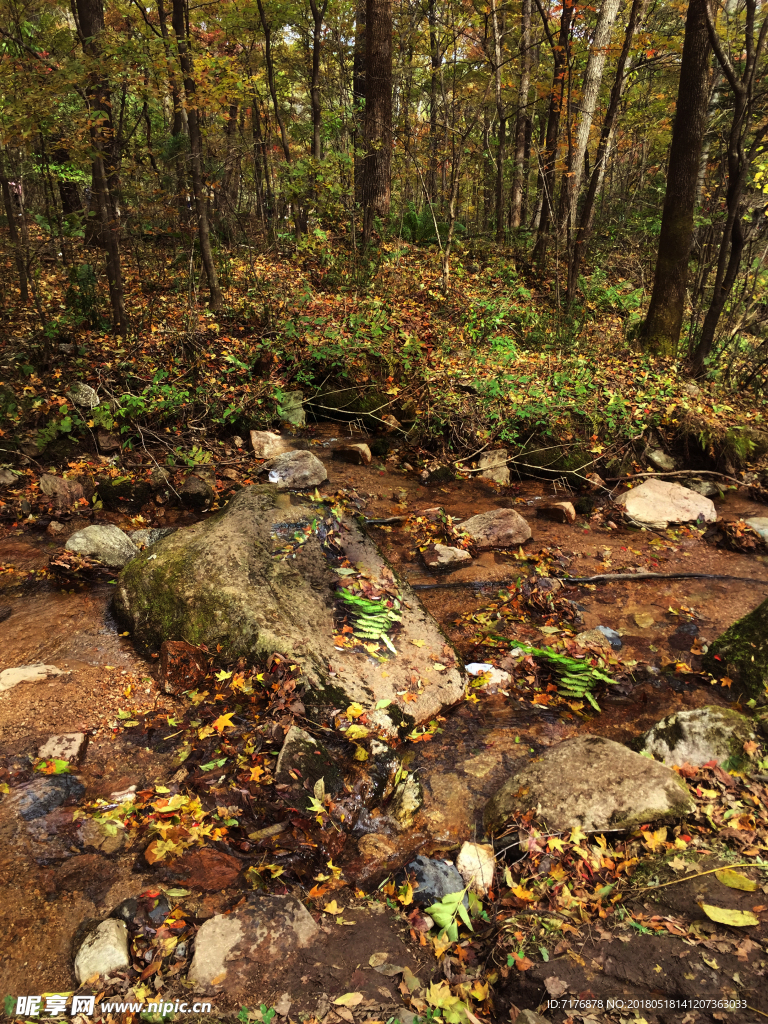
{"x":180,"y":23}
{"x":13,"y":231}
{"x":522,"y":115}
{"x":358,"y":98}
{"x":435,"y":60}
{"x":590,"y":91}
{"x":500,"y":114}
{"x":90,"y":21}
{"x":378,"y":114}
{"x":318,"y":13}
{"x":661,"y":330}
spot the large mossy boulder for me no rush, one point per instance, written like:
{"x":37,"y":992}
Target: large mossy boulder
{"x":700,"y":735}
{"x":741,"y":654}
{"x":236,"y":582}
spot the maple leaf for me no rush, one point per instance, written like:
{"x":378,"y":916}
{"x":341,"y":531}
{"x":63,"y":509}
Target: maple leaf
{"x":224,"y":722}
{"x":256,"y":772}
{"x":333,"y":908}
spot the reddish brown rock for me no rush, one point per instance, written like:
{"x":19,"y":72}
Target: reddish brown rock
{"x":207,"y":869}
{"x":357,"y":453}
{"x":558,"y":512}
{"x":182,"y":666}
{"x":63,"y":493}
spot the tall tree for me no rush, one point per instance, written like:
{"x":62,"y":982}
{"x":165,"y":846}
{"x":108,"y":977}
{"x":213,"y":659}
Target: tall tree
{"x":378,"y":114}
{"x":661,"y":330}
{"x":523,"y":119}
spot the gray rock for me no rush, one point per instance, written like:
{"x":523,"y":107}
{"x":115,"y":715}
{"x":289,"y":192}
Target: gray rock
{"x":494,"y":466}
{"x":611,"y":636}
{"x":707,"y":488}
{"x":7,"y":478}
{"x":760,"y":525}
{"x":594,"y":783}
{"x":662,"y":461}
{"x":159,"y":478}
{"x":83,"y":395}
{"x":103,"y":951}
{"x":291,"y":408}
{"x":596,"y":637}
{"x":219,"y":583}
{"x":295,"y":470}
{"x":436,"y":878}
{"x":63,"y":492}
{"x":43,"y":794}
{"x":267,"y":444}
{"x":197,"y":493}
{"x":406,"y":800}
{"x":69,"y":746}
{"x":145,"y":538}
{"x":657,"y":503}
{"x":11,"y":677}
{"x":265,"y":931}
{"x":303,"y":760}
{"x":104,"y":542}
{"x":699,"y":735}
{"x":499,"y":528}
{"x":441,"y":558}
{"x":108,"y":442}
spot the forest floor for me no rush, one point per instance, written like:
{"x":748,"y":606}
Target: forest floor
{"x":489,"y":365}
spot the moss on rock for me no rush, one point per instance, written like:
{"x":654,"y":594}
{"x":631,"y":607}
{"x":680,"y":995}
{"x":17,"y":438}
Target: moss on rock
{"x":741,"y":653}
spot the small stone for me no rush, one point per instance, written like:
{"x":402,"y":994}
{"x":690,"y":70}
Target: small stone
{"x":530,"y":1017}
{"x":596,"y":481}
{"x":95,"y":836}
{"x":83,"y":395}
{"x":104,"y":542}
{"x":692,"y":390}
{"x":656,"y":503}
{"x":54,"y":528}
{"x":182,"y":666}
{"x":558,"y":512}
{"x":700,"y":735}
{"x":595,"y":638}
{"x":266,"y":444}
{"x":405,"y":802}
{"x":291,"y":408}
{"x":360,"y":454}
{"x":662,"y":461}
{"x":40,"y":796}
{"x":707,"y":488}
{"x":63,"y":492}
{"x":295,"y":470}
{"x":11,"y":677}
{"x":442,"y":558}
{"x":107,"y":441}
{"x":265,"y":931}
{"x":238,"y":442}
{"x":104,"y":951}
{"x":390,"y":423}
{"x":7,"y":478}
{"x":644,"y":620}
{"x":196,"y":493}
{"x":500,"y":528}
{"x":159,"y":478}
{"x":613,"y":638}
{"x":69,"y":746}
{"x":146,"y":538}
{"x":476,"y":864}
{"x":303,"y":760}
{"x":494,"y":466}
{"x":436,"y":878}
{"x":760,"y":525}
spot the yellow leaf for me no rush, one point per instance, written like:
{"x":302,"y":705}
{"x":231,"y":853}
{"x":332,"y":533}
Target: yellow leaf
{"x":256,"y":773}
{"x":734,"y":918}
{"x":349,"y":999}
{"x":356,"y":732}
{"x":355,"y":710}
{"x":418,"y":643}
{"x":206,"y":731}
{"x":554,"y":843}
{"x":653,"y":840}
{"x":224,"y":722}
{"x":523,"y":894}
{"x":333,"y":908}
{"x":577,"y":835}
{"x":441,"y":943}
{"x":735,"y":880}
{"x":361,"y":754}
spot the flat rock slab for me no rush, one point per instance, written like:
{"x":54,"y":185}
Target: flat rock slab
{"x":442,"y":558}
{"x":103,"y":951}
{"x":106,"y":543}
{"x":658,"y":503}
{"x":266,"y":444}
{"x":228,"y":946}
{"x":11,"y":677}
{"x":69,"y":746}
{"x":227,"y":581}
{"x":699,"y":736}
{"x":494,"y":466}
{"x":594,"y":783}
{"x":499,"y":528}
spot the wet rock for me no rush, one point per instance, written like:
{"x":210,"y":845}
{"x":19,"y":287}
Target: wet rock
{"x":83,"y":395}
{"x":662,"y":461}
{"x":741,"y":653}
{"x":613,"y":638}
{"x":700,"y":735}
{"x":54,"y":529}
{"x":762,"y":722}
{"x":94,"y":835}
{"x":489,"y":678}
{"x":145,"y":538}
{"x":159,"y":479}
{"x":406,"y":800}
{"x":705,"y":487}
{"x":436,"y":878}
{"x":265,"y":931}
{"x":657,"y":503}
{"x":207,"y":869}
{"x":494,"y":467}
{"x":360,"y":454}
{"x":69,"y":746}
{"x":107,"y":441}
{"x":5,"y":612}
{"x":63,"y":493}
{"x":302,"y":762}
{"x":596,"y":481}
{"x":684,"y":636}
{"x":7,"y":478}
{"x":760,"y":525}
{"x":594,"y":637}
{"x":500,"y":528}
{"x":217,"y":583}
{"x":43,"y":794}
{"x":295,"y":470}
{"x":11,"y":677}
{"x":266,"y":444}
{"x":182,"y":666}
{"x":291,"y":408}
{"x":119,"y":491}
{"x":104,"y":542}
{"x":441,"y":558}
{"x":644,"y":620}
{"x":377,"y":849}
{"x":558,"y":512}
{"x":476,"y":864}
{"x":592,"y":782}
{"x":103,"y":951}
{"x":196,"y":493}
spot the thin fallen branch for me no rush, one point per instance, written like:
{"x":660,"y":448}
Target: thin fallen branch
{"x":677,"y":472}
{"x":609,"y":577}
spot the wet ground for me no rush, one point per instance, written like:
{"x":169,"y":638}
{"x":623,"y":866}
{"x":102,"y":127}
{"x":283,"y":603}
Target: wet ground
{"x":51,"y":884}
